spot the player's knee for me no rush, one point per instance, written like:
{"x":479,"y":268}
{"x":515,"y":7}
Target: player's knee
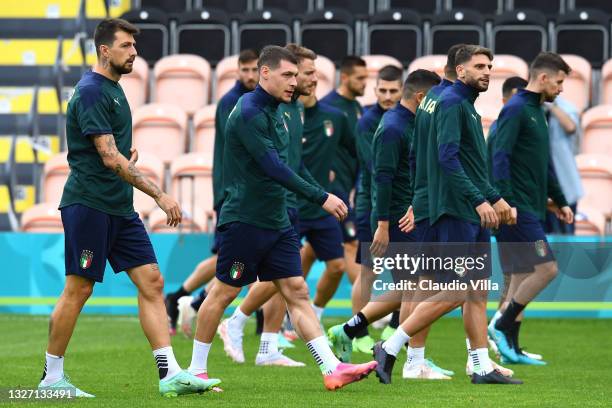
{"x":298,"y":291}
{"x":551,"y":270}
{"x":79,"y":291}
{"x":336,"y":266}
{"x":153,"y":286}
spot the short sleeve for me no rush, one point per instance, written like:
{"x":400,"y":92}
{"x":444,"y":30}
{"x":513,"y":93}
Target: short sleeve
{"x":94,"y":114}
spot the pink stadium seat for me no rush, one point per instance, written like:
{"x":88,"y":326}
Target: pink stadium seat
{"x":577,"y":86}
{"x":204,"y":125}
{"x":597,"y":130}
{"x":153,"y":169}
{"x":191,"y":176}
{"x":606,"y":79}
{"x":590,"y":221}
{"x":55,"y":174}
{"x":44,"y":218}
{"x":374,"y":64}
{"x":160,"y":129}
{"x":136,"y":84}
{"x":596,"y":174}
{"x":326,"y":73}
{"x":226,"y":75}
{"x":157,"y":224}
{"x":433,"y":63}
{"x":489,"y":103}
{"x":183,"y":80}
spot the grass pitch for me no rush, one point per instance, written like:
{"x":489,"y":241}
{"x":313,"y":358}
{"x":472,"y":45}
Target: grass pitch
{"x":109,"y":357}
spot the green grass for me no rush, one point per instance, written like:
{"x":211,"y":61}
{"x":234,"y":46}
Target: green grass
{"x":109,"y":356}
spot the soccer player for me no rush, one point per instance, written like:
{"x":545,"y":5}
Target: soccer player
{"x":388,"y":92}
{"x":99,"y":218}
{"x":353,"y":76}
{"x":248,"y":75}
{"x":523,"y":172}
{"x":391,"y":198}
{"x":462,"y":206}
{"x":264,"y":293}
{"x":256,"y":238}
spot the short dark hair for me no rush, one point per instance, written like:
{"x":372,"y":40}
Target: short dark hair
{"x":450,"y":69}
{"x":348,"y":64}
{"x":247,"y":55}
{"x":390,"y":73}
{"x":419,"y":80}
{"x":301,"y":53}
{"x":106,"y":29}
{"x":548,"y":61}
{"x":511,"y":84}
{"x":272,"y":55}
{"x":465,"y":53}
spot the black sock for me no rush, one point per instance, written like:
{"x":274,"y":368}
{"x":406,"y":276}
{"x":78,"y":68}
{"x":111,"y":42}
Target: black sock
{"x":355,"y":325}
{"x":197,"y":302}
{"x":516,"y":327}
{"x":179,"y":293}
{"x":259,"y":316}
{"x":362,"y":333}
{"x":394,"y":323}
{"x":508,"y":318}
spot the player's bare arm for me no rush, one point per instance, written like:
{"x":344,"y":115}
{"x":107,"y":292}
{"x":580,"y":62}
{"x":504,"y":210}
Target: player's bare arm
{"x":126,"y":169}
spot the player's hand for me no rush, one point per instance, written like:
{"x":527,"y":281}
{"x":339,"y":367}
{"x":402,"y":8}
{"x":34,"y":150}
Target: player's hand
{"x":406,"y":223}
{"x":488,"y":217}
{"x":335,"y":206}
{"x":567,"y":215}
{"x":514,"y":219}
{"x":504,"y":212}
{"x":381,"y":239}
{"x":553,"y":208}
{"x":171,"y":208}
{"x":133,"y":155}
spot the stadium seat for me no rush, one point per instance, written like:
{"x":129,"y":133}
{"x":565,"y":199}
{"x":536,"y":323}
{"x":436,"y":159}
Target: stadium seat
{"x":452,"y":27}
{"x":292,"y":6}
{"x":548,"y":7}
{"x":584,"y":32}
{"x":212,"y":24}
{"x":589,"y":221}
{"x":521,"y":32}
{"x":54,"y":9}
{"x":435,"y":63}
{"x":154,"y":37}
{"x":182,"y":80}
{"x":233,"y":6}
{"x":259,"y":28}
{"x":577,"y":86}
{"x":204,"y":125}
{"x":226,"y":75}
{"x":167,"y":6}
{"x":396,"y":33}
{"x":136,"y":84}
{"x":354,"y":7}
{"x":489,"y":103}
{"x":158,"y":220}
{"x":604,"y":6}
{"x":606,"y":79}
{"x":596,"y":175}
{"x":597,"y":130}
{"x":160,"y":129}
{"x":153,"y":169}
{"x":417,"y":6}
{"x":54,"y":177}
{"x":374,"y":64}
{"x":329,"y":32}
{"x":484,"y":6}
{"x":191,"y":176}
{"x":326,"y":73}
{"x":42,"y":218}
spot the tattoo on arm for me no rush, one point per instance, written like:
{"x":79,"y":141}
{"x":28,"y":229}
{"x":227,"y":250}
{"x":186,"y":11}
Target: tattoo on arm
{"x":114,"y":160}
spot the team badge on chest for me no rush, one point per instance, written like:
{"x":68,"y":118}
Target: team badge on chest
{"x":329,"y":128}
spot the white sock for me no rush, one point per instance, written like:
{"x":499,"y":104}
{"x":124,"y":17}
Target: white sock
{"x":480,"y":361}
{"x":268,"y":344}
{"x":318,"y":311}
{"x":199,"y":357}
{"x":238,"y":320}
{"x":467,"y":344}
{"x":166,"y":362}
{"x":325,"y":358}
{"x":395,"y":343}
{"x":416,"y":356}
{"x":54,"y":369}
{"x":496,"y":316}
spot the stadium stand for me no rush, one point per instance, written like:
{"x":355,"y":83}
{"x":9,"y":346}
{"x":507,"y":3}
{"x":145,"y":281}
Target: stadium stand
{"x":606,"y":83}
{"x":259,"y":28}
{"x":577,"y":86}
{"x":160,"y":129}
{"x":596,"y":129}
{"x":521,"y":32}
{"x":44,"y":218}
{"x":204,"y":129}
{"x":153,"y":169}
{"x":54,"y":176}
{"x":226,"y":74}
{"x":330,"y":32}
{"x":584,"y":32}
{"x":452,"y":27}
{"x":154,"y":37}
{"x":136,"y":84}
{"x":596,"y":174}
{"x":192,"y":26}
{"x":418,"y":6}
{"x":191,"y":183}
{"x":548,"y":7}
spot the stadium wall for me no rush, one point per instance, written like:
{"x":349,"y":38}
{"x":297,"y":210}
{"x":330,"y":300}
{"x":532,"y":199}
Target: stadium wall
{"x":32,"y":273}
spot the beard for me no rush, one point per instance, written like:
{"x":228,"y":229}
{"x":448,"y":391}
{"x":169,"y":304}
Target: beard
{"x":122,"y":69}
{"x":475,"y":83}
